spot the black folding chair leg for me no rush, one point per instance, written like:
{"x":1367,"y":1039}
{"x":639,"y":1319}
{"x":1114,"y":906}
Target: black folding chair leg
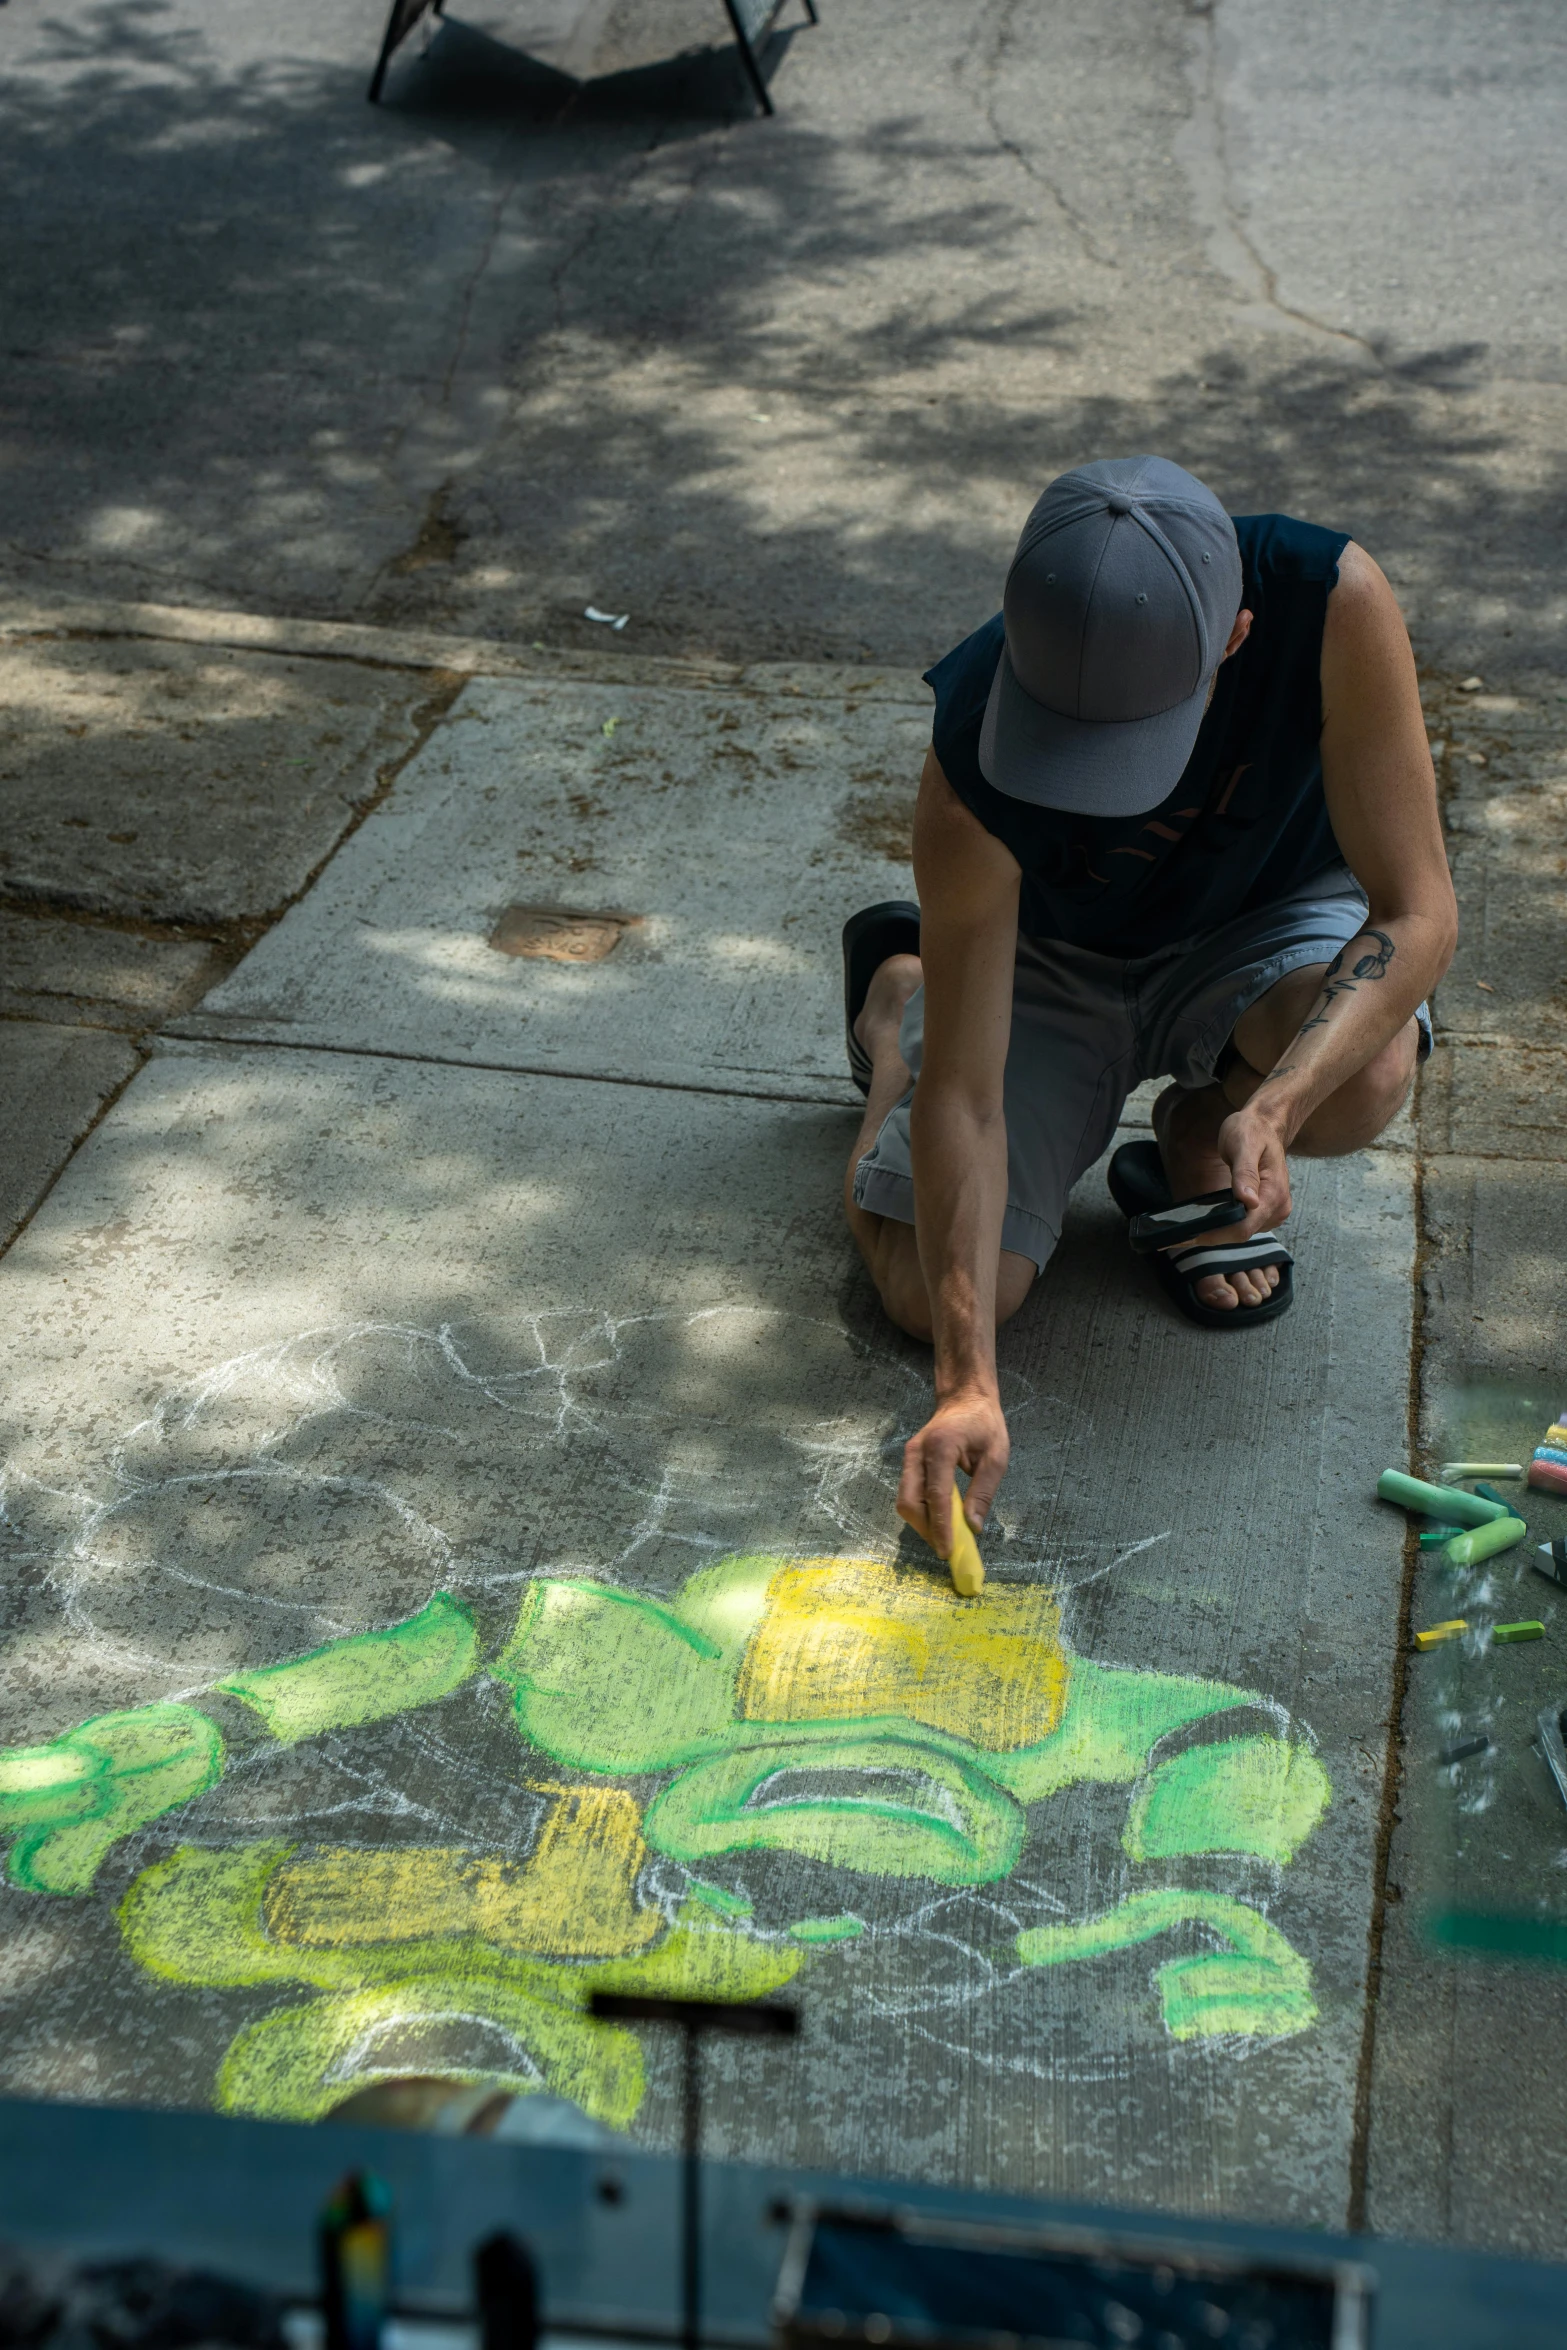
{"x":405,"y":14}
{"x":748,"y":57}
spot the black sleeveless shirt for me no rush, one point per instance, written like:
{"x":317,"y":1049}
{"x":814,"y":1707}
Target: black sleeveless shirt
{"x":1246,"y":823}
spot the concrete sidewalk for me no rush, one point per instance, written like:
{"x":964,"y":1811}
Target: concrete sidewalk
{"x":411,"y":1266}
{"x":328,"y":1319}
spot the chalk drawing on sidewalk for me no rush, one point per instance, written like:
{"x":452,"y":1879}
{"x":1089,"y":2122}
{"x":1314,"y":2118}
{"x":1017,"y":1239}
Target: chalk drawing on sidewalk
{"x":778,"y":1762}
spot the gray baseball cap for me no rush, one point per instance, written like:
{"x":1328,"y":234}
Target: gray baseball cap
{"x":1118,"y":605}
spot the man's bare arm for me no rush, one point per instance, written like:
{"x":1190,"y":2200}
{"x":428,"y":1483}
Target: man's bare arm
{"x":1381,"y":795}
{"x":968,"y":887}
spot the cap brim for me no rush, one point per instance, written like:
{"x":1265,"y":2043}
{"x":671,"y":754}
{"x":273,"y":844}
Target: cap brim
{"x":1086,"y":768}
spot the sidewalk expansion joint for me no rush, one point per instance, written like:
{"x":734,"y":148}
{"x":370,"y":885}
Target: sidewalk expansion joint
{"x":141,"y":1046}
{"x":369,"y":645}
{"x":1356,"y":2217}
{"x":174,"y":1041}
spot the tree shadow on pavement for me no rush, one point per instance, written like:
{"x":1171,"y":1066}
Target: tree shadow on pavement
{"x":506,"y":346}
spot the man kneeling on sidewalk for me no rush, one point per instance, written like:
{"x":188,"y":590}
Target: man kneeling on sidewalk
{"x":1178,"y":819}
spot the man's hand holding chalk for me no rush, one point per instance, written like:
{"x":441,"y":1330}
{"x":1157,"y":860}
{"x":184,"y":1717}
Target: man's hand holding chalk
{"x":965,"y":1432}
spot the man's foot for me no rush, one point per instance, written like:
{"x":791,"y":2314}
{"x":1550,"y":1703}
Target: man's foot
{"x":881,"y":1015}
{"x":1186,"y":1125}
{"x":889,"y":932}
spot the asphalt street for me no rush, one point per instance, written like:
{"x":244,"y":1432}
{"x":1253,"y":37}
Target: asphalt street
{"x":354,"y":1257}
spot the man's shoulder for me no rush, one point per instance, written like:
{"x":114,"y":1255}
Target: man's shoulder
{"x":1363,"y":616}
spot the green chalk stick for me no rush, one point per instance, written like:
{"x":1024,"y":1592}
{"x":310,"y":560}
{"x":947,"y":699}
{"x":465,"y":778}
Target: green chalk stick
{"x":1434,"y":1536}
{"x":1505,"y":1632}
{"x":1475,"y":1543}
{"x":1483,"y":1542}
{"x":1447,"y":1502}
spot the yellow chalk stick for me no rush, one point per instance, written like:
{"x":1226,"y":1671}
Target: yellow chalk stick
{"x":964,"y":1563}
{"x":1440,"y":1632}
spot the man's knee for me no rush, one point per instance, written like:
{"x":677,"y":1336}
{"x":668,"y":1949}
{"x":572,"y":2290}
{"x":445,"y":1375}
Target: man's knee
{"x":1365,"y":1103}
{"x":1015,"y":1277}
{"x":907,"y":1304}
{"x":900,"y":1282}
{"x":894,"y":1261}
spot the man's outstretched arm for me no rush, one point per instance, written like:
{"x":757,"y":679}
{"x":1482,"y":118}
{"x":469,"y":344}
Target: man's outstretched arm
{"x":968,"y":887}
{"x":1381,"y":796}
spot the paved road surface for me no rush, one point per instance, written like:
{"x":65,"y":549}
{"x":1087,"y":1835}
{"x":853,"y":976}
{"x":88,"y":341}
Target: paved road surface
{"x":376,"y":1278}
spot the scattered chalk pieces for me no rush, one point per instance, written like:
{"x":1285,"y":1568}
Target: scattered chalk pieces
{"x":1434,"y":1536}
{"x":1463,"y":1751}
{"x":1436,"y":1634}
{"x":1509,"y":1632}
{"x":606,"y":619}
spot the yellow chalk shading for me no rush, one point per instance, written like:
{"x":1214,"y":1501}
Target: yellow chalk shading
{"x":853,"y":1639}
{"x":574,"y":1897}
{"x":51,"y":1771}
{"x":964,"y":1563}
{"x":1437,"y":1633}
{"x":298,"y":2063}
{"x":201,"y":1917}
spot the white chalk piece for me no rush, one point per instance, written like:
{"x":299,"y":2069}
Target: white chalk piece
{"x":609,"y":619}
{"x":1451,"y":1469}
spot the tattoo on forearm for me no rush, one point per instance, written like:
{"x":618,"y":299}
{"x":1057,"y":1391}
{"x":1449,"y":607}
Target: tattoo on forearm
{"x":1337,"y":982}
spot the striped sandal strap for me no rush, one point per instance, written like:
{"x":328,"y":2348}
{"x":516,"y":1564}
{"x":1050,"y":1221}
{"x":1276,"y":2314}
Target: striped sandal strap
{"x":1195,"y":1261}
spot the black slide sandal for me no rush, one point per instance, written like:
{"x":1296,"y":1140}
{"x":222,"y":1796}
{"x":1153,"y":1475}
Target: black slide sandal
{"x":1138,"y":1186}
{"x":869,"y":937}
{"x":1137,"y":1180}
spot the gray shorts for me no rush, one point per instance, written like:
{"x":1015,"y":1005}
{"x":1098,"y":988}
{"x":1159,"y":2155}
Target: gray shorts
{"x":1086,"y":1028}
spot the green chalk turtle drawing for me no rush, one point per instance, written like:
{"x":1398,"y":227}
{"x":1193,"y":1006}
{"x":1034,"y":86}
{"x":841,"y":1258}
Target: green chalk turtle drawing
{"x":846,"y":1711}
